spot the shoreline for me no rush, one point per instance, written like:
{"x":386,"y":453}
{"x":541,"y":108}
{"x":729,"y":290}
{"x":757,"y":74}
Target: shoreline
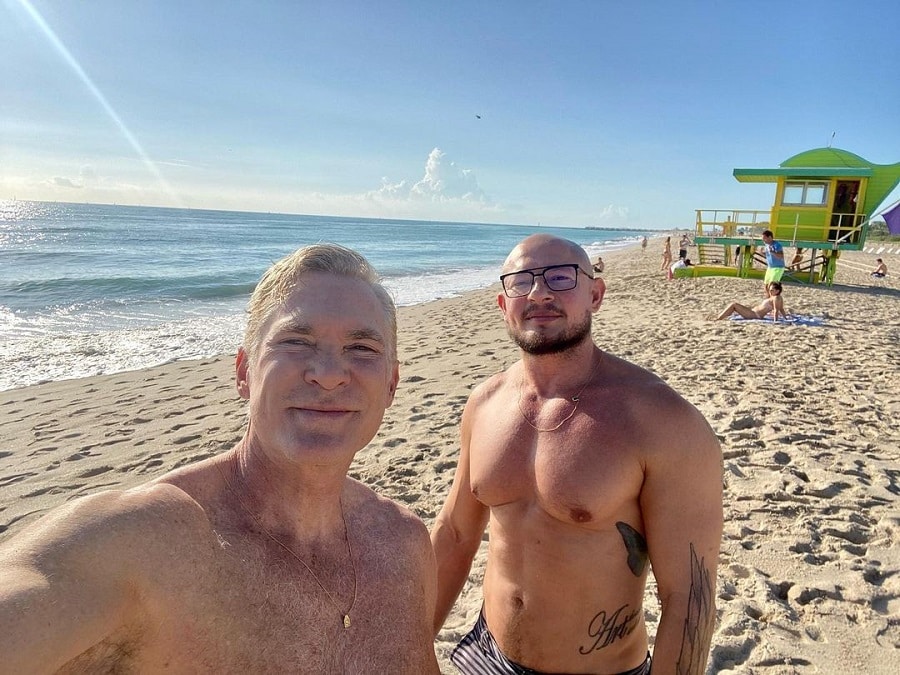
{"x":808,"y":418}
{"x":139,"y":337}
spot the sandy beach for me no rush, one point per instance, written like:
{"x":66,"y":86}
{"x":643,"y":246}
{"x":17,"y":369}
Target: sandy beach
{"x":808,"y":417}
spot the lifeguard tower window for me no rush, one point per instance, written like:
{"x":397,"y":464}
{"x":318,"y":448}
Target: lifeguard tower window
{"x":805,"y":193}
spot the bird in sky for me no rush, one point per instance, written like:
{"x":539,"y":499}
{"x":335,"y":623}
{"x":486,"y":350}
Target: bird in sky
{"x":478,"y":117}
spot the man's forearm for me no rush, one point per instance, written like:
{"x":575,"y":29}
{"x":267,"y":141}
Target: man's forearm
{"x":453,"y":565}
{"x":686,"y":624}
{"x":683,"y":641}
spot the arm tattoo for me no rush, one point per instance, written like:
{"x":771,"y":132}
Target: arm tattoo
{"x":700,"y":620}
{"x":636,"y":546}
{"x":607,"y":629}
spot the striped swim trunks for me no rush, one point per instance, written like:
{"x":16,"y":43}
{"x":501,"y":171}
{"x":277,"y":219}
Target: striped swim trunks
{"x":478,"y":654}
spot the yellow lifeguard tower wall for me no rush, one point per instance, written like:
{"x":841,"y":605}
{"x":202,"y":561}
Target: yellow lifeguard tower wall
{"x":820,"y":210}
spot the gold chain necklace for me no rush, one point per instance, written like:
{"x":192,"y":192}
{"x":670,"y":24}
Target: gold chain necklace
{"x":345,"y":615}
{"x":576,"y":399}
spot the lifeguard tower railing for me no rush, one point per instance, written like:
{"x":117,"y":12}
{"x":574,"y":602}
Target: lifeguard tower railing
{"x":724,"y":234}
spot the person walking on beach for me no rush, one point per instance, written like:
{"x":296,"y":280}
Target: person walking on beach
{"x":667,"y":254}
{"x":774,"y":259}
{"x":589,"y":469}
{"x":267,"y":558}
{"x":644,"y":245}
{"x":774,"y":305}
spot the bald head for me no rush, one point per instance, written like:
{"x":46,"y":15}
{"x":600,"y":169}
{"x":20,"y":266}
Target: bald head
{"x":543,"y":250}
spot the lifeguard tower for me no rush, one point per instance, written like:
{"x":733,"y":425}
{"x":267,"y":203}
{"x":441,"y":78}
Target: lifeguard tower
{"x":823,"y":201}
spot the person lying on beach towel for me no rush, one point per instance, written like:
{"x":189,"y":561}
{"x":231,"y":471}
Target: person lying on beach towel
{"x":772,"y":305}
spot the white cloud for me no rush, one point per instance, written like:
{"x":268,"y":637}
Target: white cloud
{"x":613,"y":215}
{"x":62,"y":181}
{"x":87,"y":177}
{"x":443,"y":182}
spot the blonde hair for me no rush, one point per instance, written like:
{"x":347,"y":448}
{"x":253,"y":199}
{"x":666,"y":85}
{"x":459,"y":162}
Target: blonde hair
{"x":279,"y":281}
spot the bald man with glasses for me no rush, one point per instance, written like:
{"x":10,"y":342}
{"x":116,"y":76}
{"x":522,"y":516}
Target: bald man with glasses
{"x":588,"y":470}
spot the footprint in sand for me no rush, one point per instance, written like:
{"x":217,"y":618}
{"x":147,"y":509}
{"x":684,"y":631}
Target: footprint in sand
{"x":15,"y":478}
{"x":96,"y":471}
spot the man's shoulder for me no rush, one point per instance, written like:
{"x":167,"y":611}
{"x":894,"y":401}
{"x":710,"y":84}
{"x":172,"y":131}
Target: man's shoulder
{"x":490,"y":387}
{"x":112,"y":528}
{"x":636,"y":384}
{"x":379,"y":509}
{"x":385,"y":522}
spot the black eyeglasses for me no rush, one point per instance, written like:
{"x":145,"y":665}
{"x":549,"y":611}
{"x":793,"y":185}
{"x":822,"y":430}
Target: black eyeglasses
{"x":557,"y":278}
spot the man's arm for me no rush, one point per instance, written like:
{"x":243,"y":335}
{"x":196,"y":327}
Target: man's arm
{"x":681,"y":503}
{"x":458,"y":528}
{"x":411,"y":537}
{"x":63,"y":587}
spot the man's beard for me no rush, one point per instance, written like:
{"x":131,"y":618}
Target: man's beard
{"x":539,"y":344}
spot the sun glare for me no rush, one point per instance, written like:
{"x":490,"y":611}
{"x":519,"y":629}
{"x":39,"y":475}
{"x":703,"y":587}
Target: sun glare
{"x":101,"y":99}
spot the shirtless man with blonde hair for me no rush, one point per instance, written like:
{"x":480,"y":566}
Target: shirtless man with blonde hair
{"x":588,"y":470}
{"x":267,"y":558}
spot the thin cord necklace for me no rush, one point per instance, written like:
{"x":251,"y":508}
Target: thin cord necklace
{"x":576,"y":399}
{"x":345,"y":615}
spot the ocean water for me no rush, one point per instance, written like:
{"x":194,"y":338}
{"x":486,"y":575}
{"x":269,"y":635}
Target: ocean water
{"x":90,"y":289}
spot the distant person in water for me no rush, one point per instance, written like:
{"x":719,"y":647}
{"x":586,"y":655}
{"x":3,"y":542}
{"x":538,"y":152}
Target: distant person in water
{"x":774,"y":305}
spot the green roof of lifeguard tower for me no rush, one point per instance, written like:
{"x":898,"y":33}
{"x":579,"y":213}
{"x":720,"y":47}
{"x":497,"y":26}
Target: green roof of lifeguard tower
{"x":829,"y":163}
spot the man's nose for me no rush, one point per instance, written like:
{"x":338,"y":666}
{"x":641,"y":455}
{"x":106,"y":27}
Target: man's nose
{"x":539,"y":288}
{"x":328,"y":370}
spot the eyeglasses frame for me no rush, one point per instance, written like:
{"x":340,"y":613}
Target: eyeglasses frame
{"x":534,"y":276}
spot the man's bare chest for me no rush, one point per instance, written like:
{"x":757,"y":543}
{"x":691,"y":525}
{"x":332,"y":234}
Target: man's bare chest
{"x":580,"y":474}
{"x":248,"y":609}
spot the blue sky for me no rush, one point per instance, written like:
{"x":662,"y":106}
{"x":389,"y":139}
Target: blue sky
{"x":620,"y":114}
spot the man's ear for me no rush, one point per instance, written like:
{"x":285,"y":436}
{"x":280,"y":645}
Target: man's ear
{"x":501,"y":302}
{"x":242,"y":373}
{"x":598,"y":290}
{"x":392,"y":385}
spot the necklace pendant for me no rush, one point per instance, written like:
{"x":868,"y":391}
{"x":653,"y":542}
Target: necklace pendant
{"x":346,"y":621}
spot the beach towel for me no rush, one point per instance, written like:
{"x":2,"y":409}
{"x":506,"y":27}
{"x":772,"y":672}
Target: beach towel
{"x":791,"y":320}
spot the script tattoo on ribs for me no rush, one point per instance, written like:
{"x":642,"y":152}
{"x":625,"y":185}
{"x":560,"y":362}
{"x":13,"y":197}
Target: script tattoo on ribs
{"x":607,"y":629}
{"x":698,"y":625}
{"x":636,"y":546}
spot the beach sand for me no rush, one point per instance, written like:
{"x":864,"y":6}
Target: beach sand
{"x":808,"y":417}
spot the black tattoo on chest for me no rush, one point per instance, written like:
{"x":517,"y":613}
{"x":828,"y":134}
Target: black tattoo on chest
{"x":606,"y":629}
{"x":636,"y":546}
